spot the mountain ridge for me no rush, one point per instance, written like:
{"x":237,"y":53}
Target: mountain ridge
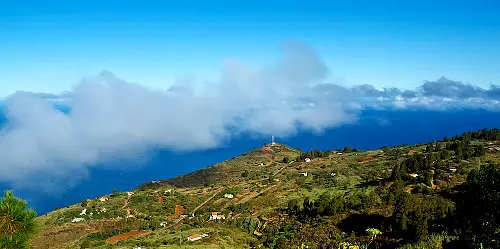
{"x":261,"y":192}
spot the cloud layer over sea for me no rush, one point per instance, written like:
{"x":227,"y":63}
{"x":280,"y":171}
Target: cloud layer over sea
{"x":111,"y":119}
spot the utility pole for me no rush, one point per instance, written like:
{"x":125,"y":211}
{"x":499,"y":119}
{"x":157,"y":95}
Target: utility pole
{"x":180,"y":236}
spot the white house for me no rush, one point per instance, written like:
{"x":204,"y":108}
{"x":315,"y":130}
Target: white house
{"x":164,"y":224}
{"x":77,"y":220}
{"x":103,"y":199}
{"x":340,"y":153}
{"x":304,"y":174}
{"x":414,"y":175}
{"x":84,"y":212}
{"x":307,"y":160}
{"x":228,"y":196}
{"x":452,"y":169}
{"x":197,"y":237}
{"x":216,"y":216}
{"x":333,"y":174}
{"x":130,"y":193}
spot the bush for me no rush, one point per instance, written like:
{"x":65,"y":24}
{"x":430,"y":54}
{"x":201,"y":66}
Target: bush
{"x":84,"y":203}
{"x":245,"y":173}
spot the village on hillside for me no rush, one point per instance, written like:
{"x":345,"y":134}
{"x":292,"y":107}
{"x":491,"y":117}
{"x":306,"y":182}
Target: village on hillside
{"x":238,"y":201}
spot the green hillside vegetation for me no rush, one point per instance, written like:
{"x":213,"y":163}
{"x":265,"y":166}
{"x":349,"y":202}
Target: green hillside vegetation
{"x":272,"y":198}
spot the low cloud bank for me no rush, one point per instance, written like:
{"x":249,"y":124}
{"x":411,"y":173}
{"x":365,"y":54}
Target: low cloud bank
{"x":43,"y":147}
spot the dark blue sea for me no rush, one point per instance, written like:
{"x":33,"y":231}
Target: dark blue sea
{"x":374,"y":129}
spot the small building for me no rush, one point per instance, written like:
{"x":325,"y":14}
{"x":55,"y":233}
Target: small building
{"x":452,"y":169}
{"x":491,"y":148}
{"x":196,"y":237}
{"x":339,"y":153}
{"x":216,"y":216}
{"x":228,"y":196}
{"x":130,"y":193}
{"x":304,"y":174}
{"x":169,"y":191}
{"x":164,"y":224}
{"x":414,"y":175}
{"x":77,"y":220}
{"x":497,"y":148}
{"x":307,"y":160}
{"x":103,"y":199}
{"x":333,"y":174}
{"x":84,"y":212}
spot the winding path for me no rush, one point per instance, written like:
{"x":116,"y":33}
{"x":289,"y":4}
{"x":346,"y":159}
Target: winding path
{"x":207,"y":200}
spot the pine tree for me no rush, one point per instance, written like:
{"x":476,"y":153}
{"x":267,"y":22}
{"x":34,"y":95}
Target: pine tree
{"x":17,"y":222}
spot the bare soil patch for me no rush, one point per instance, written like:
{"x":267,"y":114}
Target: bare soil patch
{"x":125,"y":236}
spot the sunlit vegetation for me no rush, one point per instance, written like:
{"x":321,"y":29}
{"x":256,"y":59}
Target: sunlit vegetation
{"x":441,"y":194}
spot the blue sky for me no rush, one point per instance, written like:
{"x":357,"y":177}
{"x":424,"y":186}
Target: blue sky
{"x":48,"y":46}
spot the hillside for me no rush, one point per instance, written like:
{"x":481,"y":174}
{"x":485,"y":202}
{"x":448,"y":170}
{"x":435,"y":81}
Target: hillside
{"x":271,"y":197}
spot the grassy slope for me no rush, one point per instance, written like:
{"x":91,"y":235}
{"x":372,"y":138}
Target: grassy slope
{"x":258,"y":195}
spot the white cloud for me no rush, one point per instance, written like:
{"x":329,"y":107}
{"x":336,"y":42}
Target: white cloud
{"x":41,"y":147}
{"x":113,"y":118}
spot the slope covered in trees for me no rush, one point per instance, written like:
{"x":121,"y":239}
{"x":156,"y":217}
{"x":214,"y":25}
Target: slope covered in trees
{"x":441,"y":194}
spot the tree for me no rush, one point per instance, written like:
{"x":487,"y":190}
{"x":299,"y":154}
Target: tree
{"x":478,"y":208}
{"x":286,"y":160}
{"x":245,"y":173}
{"x":293,"y":206}
{"x":348,"y":149}
{"x":402,"y":208}
{"x":84,"y":203}
{"x":17,"y":222}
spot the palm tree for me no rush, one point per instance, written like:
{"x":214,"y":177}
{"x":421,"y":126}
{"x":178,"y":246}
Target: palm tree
{"x":17,"y":222}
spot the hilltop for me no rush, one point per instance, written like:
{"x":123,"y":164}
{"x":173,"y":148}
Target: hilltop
{"x":278,"y":197}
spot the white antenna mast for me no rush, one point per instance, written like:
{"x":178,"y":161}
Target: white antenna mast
{"x":272,"y":140}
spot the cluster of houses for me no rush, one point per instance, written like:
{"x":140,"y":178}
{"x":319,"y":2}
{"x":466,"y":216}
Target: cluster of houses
{"x":451,"y":169}
{"x":84,"y":213}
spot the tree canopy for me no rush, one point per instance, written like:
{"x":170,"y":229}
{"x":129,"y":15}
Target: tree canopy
{"x":17,"y":222}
